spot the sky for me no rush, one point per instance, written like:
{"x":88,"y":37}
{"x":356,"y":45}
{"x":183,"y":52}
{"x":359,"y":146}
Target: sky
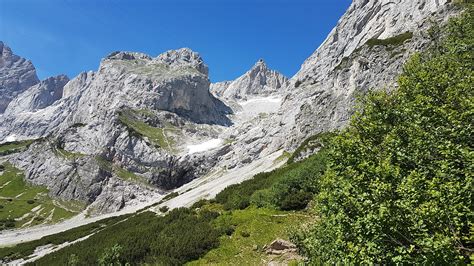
{"x":71,"y":36}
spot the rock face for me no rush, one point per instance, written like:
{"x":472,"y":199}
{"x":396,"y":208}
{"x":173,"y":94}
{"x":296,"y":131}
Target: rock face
{"x":258,"y":81}
{"x":16,"y":75}
{"x":122,"y":126}
{"x":38,"y":96}
{"x":323,"y":92}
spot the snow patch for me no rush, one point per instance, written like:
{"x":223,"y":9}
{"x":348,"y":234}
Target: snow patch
{"x":270,"y":99}
{"x":10,"y":138}
{"x":205,"y":146}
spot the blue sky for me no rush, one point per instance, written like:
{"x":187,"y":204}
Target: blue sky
{"x":71,"y":36}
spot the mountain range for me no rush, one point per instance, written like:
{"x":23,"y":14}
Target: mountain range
{"x":121,"y":138}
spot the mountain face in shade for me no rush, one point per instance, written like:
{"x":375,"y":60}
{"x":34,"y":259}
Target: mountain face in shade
{"x":38,"y":96}
{"x":16,"y":75}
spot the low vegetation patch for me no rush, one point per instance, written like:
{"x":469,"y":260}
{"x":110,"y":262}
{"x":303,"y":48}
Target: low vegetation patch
{"x":392,"y":41}
{"x":249,"y":231}
{"x":138,"y":128}
{"x":122,"y":173}
{"x":15,"y":146}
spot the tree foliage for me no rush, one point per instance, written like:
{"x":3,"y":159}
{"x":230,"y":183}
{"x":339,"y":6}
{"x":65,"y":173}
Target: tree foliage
{"x":399,"y":185}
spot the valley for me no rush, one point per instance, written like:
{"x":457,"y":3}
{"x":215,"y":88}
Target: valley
{"x":364,"y":156}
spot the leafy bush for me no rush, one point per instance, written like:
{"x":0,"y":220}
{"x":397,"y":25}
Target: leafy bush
{"x":199,"y":203}
{"x":296,"y":188}
{"x":399,"y":185}
{"x":262,"y":198}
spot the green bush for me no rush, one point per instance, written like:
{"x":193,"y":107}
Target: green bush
{"x":399,"y":185}
{"x":296,"y":187}
{"x":30,"y":201}
{"x":199,"y":203}
{"x":164,"y":209}
{"x":262,"y":198}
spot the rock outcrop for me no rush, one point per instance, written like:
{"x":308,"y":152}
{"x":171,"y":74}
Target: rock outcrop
{"x":258,"y":81}
{"x":16,"y":75}
{"x":365,"y":51}
{"x":38,"y":96}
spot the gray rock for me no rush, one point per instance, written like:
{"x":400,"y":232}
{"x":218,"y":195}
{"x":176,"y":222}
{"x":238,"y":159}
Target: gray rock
{"x":16,"y":75}
{"x":258,"y":81}
{"x":38,"y":96}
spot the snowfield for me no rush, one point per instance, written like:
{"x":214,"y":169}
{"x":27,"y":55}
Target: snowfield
{"x":205,"y":146}
{"x":260,"y":105}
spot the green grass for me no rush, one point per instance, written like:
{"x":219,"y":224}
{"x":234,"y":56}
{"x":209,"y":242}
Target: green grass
{"x":392,"y":41}
{"x":158,"y":136}
{"x":18,"y":200}
{"x":284,"y":156}
{"x":254,"y":228}
{"x":15,"y":146}
{"x":67,"y":154}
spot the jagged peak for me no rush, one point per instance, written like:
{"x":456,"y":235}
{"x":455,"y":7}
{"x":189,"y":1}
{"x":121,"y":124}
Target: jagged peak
{"x":5,"y":51}
{"x":121,"y":55}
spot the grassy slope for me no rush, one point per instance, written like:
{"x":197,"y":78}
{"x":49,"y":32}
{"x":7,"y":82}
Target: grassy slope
{"x":158,"y":136}
{"x":18,"y":199}
{"x":262,"y":227}
{"x":12,"y":147}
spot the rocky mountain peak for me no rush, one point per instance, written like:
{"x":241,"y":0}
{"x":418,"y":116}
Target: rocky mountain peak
{"x":183,"y":57}
{"x":119,"y":55}
{"x":5,"y":51}
{"x":260,"y":80}
{"x":16,"y":75}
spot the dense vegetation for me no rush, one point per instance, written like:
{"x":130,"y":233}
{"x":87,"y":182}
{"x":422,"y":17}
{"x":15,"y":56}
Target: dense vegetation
{"x":399,"y":183}
{"x":182,"y":235}
{"x":287,"y":188}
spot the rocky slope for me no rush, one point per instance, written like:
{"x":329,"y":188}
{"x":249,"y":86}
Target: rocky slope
{"x":365,"y":51}
{"x":16,"y":75}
